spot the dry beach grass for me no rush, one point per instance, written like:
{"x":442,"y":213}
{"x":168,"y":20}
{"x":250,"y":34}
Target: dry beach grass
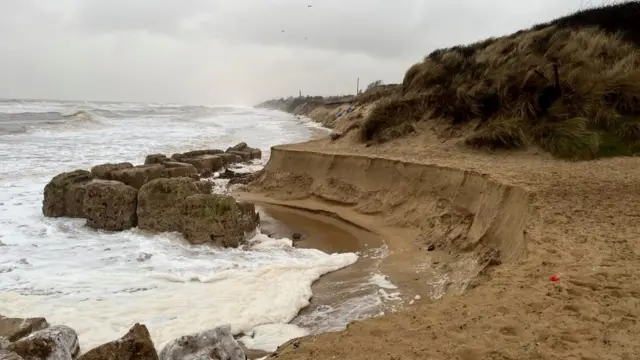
{"x":571,"y":86}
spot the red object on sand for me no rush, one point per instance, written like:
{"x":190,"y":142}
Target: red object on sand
{"x":555,"y":278}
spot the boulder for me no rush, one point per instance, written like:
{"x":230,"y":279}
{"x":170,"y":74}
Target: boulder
{"x":140,"y":175}
{"x":104,"y":171}
{"x":63,"y":195}
{"x":110,"y":205}
{"x":228,"y":174}
{"x":175,"y":164}
{"x":217,"y":219}
{"x":245,"y":178}
{"x":156,"y":159}
{"x":9,"y":355}
{"x":247,"y":153}
{"x":214,"y":344}
{"x":15,"y":328}
{"x":204,"y":162}
{"x":195,"y":153}
{"x":178,"y":169}
{"x":206,"y":174}
{"x":255,"y":153}
{"x":57,"y":342}
{"x":160,"y":202}
{"x":135,"y":345}
{"x":244,"y":155}
{"x":231,"y":158}
{"x":238,"y":147}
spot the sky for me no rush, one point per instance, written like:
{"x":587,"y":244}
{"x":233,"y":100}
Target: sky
{"x":235,"y":51}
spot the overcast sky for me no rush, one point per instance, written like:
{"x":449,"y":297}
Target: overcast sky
{"x":235,"y":51}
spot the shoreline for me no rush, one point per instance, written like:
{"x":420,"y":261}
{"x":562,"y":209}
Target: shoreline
{"x":341,"y":296}
{"x":326,"y":234}
{"x":394,"y":238}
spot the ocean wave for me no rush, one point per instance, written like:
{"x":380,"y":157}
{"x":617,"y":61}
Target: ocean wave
{"x":12,"y":129}
{"x":100,"y":283}
{"x":79,"y":119}
{"x":30,"y":116}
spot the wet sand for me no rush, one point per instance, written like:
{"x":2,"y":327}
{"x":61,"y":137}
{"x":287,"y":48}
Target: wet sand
{"x":319,"y":231}
{"x":345,"y":295}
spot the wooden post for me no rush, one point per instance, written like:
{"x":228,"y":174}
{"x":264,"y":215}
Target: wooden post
{"x":358,"y":87}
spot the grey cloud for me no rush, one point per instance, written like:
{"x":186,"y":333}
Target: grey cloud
{"x":162,"y":16}
{"x":375,"y":27}
{"x":215,"y":51}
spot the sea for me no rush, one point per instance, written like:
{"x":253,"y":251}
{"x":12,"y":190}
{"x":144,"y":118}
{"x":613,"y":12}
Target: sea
{"x":101,"y":283}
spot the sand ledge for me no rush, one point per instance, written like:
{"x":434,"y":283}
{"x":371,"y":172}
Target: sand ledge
{"x":475,"y":221}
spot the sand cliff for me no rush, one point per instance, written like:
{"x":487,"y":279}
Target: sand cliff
{"x":502,"y":225}
{"x":471,"y":220}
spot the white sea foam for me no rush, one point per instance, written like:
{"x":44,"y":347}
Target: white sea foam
{"x":382,"y":282}
{"x":269,"y":291}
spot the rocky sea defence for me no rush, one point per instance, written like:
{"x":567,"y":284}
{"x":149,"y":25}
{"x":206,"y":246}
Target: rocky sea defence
{"x":165,"y":194}
{"x":35,"y":339}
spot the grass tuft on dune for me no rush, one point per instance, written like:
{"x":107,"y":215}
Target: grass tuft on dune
{"x":570,"y":86}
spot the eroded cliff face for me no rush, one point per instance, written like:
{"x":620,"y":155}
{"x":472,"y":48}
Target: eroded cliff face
{"x":474,"y":220}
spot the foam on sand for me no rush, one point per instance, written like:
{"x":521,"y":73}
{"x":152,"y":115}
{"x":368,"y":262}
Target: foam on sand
{"x":264,"y":299}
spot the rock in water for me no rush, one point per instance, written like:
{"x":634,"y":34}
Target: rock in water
{"x":135,"y":345}
{"x":239,"y":147}
{"x":110,"y":205}
{"x":217,"y":219}
{"x":178,"y":169}
{"x":230,"y":158}
{"x":104,"y":171}
{"x":244,"y":155}
{"x":245,"y":178}
{"x":140,"y":175}
{"x":202,"y":152}
{"x":247,"y":153}
{"x":160,"y":202}
{"x":255,"y":153}
{"x":204,"y":162}
{"x":9,"y":355}
{"x":58,"y":342}
{"x":156,"y":159}
{"x":15,"y":328}
{"x":214,"y":344}
{"x":63,"y":195}
{"x":227,"y":174}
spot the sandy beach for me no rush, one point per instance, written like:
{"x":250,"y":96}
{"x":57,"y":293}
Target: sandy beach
{"x":543,"y":217}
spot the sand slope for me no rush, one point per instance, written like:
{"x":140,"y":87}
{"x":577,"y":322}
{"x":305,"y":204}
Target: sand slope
{"x":502,"y":224}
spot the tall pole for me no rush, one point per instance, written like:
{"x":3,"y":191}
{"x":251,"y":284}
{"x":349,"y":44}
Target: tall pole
{"x":358,"y":86}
